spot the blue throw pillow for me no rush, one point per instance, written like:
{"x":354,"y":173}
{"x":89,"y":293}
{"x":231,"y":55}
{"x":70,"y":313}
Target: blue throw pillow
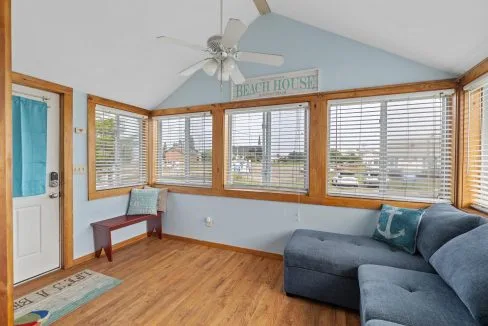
{"x":143,"y":202}
{"x":398,"y":227}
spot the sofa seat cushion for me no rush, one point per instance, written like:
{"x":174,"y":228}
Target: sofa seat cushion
{"x":377,"y":322}
{"x":341,"y":255}
{"x":409,"y":298}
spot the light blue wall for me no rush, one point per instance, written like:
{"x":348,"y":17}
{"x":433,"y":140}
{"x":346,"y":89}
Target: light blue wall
{"x":86,"y":212}
{"x":343,"y":63}
{"x":261,"y":225}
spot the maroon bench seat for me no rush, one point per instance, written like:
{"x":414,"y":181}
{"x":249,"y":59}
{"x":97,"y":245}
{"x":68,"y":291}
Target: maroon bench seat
{"x":102,"y":230}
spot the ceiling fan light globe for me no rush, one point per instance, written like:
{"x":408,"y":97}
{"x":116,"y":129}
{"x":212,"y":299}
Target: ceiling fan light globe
{"x":210,"y":67}
{"x":229,"y":65}
{"x":223,"y":76}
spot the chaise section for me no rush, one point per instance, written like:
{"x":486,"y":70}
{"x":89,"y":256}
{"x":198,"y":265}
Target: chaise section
{"x":324,"y":266}
{"x":409,"y":297}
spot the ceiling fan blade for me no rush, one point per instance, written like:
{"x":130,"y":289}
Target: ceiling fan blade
{"x":262,"y":6}
{"x":193,"y":68}
{"x":263,"y":58}
{"x":233,"y":33}
{"x":175,"y":41}
{"x":237,"y":76}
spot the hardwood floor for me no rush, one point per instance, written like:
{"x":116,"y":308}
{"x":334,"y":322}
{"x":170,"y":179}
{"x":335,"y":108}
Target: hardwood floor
{"x":172,"y":282}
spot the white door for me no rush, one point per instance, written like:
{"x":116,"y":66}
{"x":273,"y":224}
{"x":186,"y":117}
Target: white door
{"x":36,"y":219}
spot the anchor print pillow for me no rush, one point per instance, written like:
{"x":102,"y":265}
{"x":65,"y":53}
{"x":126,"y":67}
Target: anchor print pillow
{"x":398,"y":227}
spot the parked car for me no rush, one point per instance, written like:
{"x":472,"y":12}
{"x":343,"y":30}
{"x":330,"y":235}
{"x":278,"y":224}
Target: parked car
{"x":372,"y":180}
{"x":345,"y":180}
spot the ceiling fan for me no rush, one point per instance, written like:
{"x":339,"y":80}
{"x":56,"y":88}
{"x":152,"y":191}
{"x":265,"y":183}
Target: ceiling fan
{"x":224,"y":53}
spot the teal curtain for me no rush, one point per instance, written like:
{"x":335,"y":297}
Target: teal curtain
{"x":29,"y":136}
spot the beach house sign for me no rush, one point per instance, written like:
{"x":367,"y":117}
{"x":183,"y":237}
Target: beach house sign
{"x":291,"y":83}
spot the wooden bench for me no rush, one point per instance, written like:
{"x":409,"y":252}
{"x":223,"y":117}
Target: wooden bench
{"x":102,"y":230}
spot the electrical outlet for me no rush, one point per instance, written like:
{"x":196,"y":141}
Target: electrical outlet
{"x":209,"y":222}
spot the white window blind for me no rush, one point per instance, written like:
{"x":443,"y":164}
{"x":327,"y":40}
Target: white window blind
{"x":476,"y":138}
{"x":394,"y":147}
{"x":183,"y":149}
{"x":121,"y":148}
{"x":267,"y":148}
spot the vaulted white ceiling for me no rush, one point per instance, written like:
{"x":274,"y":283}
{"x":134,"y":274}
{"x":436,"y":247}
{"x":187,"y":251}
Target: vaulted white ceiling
{"x":108,"y":47}
{"x":450,"y":35}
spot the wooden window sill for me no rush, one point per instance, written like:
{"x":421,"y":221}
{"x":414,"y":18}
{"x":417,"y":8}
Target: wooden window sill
{"x":107,"y":193}
{"x":363,"y":203}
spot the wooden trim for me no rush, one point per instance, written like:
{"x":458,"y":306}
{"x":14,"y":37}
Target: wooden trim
{"x":21,"y":79}
{"x":224,"y":246}
{"x":67,"y":176}
{"x":351,"y":202}
{"x":100,"y":194}
{"x":6,"y":229}
{"x":115,"y":247}
{"x":436,"y":85}
{"x":474,"y":73}
{"x":463,"y":195}
{"x":93,"y":193}
{"x":151,"y":177}
{"x":183,"y":110}
{"x":66,"y":156}
{"x":433,"y":85}
{"x":459,"y":178}
{"x":66,"y":150}
{"x":318,"y":146}
{"x":218,"y":150}
{"x":117,"y":105}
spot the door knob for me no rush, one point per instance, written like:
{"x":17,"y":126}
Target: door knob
{"x":53,"y":195}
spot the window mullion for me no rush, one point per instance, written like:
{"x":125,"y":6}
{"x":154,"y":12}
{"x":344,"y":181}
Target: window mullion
{"x":266,"y":164}
{"x":117,"y":160}
{"x":383,"y":172}
{"x":187,"y":155}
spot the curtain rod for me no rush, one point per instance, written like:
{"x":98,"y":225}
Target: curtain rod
{"x":44,"y":98}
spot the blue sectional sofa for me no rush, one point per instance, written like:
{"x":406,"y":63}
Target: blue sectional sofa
{"x":445,"y":283}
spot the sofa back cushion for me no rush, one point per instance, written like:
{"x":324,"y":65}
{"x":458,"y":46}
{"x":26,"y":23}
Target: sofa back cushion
{"x":441,"y":223}
{"x":462,"y":263}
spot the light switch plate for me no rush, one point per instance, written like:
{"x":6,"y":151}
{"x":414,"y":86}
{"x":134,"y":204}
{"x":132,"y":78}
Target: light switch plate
{"x":79,"y":169}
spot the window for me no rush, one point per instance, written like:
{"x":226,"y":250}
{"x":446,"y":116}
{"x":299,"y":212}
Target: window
{"x":184,"y":149}
{"x":392,"y":147}
{"x":267,"y":148}
{"x":121,"y":139}
{"x":477,"y":143}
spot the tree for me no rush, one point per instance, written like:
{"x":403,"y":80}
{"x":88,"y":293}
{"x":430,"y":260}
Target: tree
{"x":165,"y":149}
{"x":340,"y":157}
{"x":207,"y":155}
{"x":192,"y":143}
{"x":296,"y":156}
{"x":105,"y":140}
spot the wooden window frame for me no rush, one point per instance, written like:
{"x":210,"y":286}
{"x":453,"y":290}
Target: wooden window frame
{"x":318,"y":106}
{"x":385,"y":91}
{"x":464,"y":200}
{"x":93,"y":101}
{"x":154,"y":140}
